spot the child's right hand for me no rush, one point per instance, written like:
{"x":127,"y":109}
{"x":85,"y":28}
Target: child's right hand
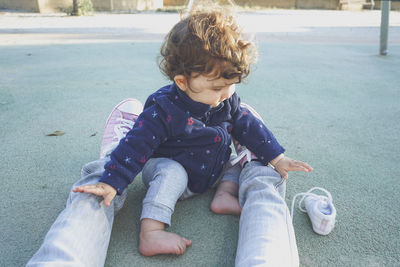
{"x":101,"y":189}
{"x":283,"y":165}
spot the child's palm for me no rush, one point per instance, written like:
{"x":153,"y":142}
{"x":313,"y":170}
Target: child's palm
{"x":101,"y":189}
{"x":286,"y":165}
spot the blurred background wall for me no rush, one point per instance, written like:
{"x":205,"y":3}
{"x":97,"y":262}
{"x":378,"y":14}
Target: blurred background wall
{"x":48,"y":6}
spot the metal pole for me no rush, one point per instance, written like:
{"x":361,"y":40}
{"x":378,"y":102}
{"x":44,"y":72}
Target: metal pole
{"x":385,"y":8}
{"x":75,"y":8}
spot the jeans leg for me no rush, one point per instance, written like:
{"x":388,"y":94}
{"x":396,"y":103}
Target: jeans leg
{"x":81,"y":233}
{"x":166,"y":180}
{"x":232,"y":173}
{"x":266,"y":234}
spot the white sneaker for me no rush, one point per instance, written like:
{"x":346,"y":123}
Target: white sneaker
{"x":319,"y":208}
{"x":119,"y":123}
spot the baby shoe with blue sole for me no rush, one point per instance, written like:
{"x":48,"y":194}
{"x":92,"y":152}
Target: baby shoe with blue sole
{"x":319,"y":208}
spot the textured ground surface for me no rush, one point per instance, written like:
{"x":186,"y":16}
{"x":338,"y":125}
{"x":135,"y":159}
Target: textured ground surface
{"x":320,"y":85}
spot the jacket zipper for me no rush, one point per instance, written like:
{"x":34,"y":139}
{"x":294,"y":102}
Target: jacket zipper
{"x":219,"y":153}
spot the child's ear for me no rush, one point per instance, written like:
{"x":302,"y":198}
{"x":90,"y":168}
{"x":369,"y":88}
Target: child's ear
{"x":180,"y":80}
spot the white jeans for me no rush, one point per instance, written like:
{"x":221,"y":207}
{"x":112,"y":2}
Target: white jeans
{"x":266,"y":234}
{"x":81,"y":233}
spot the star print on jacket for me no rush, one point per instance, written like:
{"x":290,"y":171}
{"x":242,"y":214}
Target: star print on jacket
{"x":194,"y":134}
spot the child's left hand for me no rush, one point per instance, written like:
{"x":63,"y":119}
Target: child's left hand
{"x":283,"y":165}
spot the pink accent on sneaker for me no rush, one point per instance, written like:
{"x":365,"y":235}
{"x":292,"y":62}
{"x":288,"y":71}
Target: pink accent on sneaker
{"x":323,"y":225}
{"x":319,"y":208}
{"x":119,"y":122}
{"x":243,"y":154}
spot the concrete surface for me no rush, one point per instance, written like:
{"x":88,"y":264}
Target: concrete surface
{"x":320,"y":85}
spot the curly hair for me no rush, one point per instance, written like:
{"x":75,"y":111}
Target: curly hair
{"x":204,"y":42}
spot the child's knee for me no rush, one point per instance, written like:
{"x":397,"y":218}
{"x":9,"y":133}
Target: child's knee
{"x":172,"y":168}
{"x":166,"y":170}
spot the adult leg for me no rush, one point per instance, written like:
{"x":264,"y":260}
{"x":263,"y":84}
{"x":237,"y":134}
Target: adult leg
{"x":266,"y":234}
{"x":166,"y":180}
{"x":81,"y":233}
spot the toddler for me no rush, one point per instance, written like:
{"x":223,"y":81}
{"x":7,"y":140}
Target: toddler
{"x":189,"y":124}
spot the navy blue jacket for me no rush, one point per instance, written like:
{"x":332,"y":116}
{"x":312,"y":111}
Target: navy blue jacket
{"x":172,"y":125}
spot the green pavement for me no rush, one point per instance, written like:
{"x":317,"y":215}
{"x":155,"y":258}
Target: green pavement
{"x":335,"y":106}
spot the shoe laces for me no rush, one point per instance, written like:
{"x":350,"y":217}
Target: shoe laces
{"x":122,"y":128}
{"x":327,"y":198}
{"x":120,"y":131}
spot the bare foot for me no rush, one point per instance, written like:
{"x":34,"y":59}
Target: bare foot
{"x":158,"y":241}
{"x":225,"y":200}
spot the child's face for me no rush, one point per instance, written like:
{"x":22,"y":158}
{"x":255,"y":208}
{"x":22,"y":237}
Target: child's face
{"x":207,"y":89}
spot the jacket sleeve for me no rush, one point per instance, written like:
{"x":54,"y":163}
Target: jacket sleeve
{"x":251,"y":132}
{"x":129,"y":157}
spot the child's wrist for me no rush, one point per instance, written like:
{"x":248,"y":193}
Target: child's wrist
{"x":275,"y":161}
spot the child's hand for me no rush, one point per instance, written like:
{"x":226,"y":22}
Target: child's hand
{"x":101,"y":189}
{"x":283,"y":165}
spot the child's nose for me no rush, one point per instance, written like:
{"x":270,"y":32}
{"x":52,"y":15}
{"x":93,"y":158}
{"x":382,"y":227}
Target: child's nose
{"x":225,"y":95}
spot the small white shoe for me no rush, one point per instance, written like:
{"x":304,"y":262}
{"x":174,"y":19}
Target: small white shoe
{"x":319,"y":208}
{"x":119,"y":123}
